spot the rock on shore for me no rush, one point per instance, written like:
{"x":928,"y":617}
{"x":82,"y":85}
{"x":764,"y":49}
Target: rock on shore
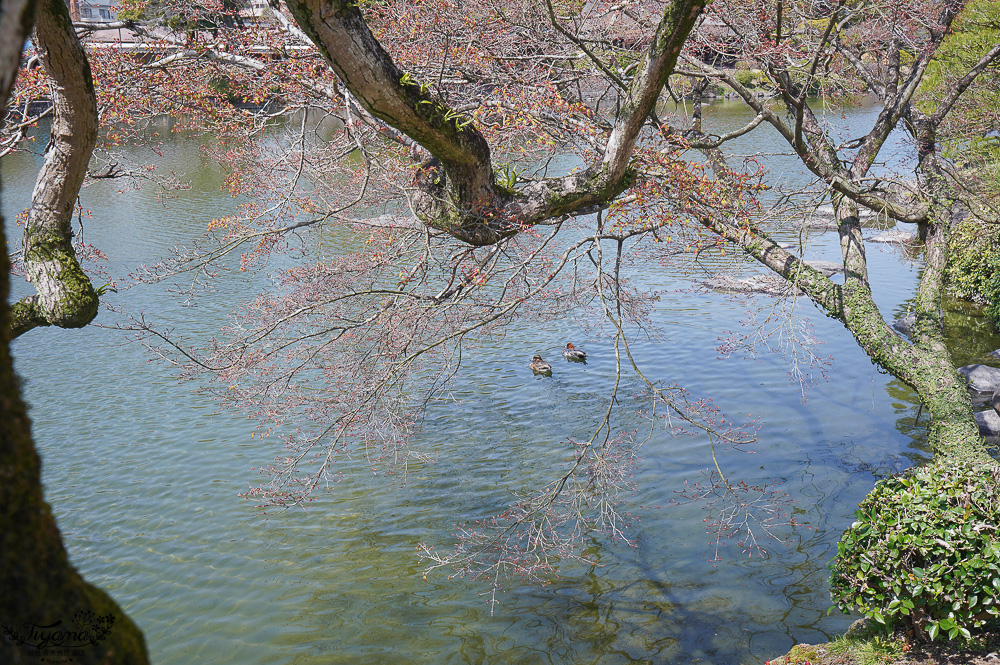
{"x":981,"y":378}
{"x":989,"y":422}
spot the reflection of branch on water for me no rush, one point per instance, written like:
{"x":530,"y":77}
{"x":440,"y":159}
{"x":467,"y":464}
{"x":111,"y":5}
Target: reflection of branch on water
{"x":528,"y":539}
{"x":748,"y":513}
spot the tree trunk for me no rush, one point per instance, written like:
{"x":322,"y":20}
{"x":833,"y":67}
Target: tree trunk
{"x":42,"y":594}
{"x":953,"y":426}
{"x":44,"y":603}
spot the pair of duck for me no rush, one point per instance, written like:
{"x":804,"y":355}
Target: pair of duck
{"x":539,"y":366}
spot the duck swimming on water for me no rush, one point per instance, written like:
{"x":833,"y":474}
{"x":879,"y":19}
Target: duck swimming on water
{"x":573,"y":353}
{"x":539,"y":366}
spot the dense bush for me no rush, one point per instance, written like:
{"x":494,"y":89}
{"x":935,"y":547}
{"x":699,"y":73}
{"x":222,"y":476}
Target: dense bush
{"x":750,"y":78}
{"x":974,"y":268}
{"x":745,"y":78}
{"x":925,"y":551}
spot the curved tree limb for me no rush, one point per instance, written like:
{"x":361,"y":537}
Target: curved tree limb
{"x":955,"y":91}
{"x":819,"y":158}
{"x":457,"y":191}
{"x":65,"y":296}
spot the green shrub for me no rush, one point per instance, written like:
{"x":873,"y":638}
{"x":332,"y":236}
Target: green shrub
{"x":745,"y":77}
{"x":925,"y":551}
{"x":974,"y":266}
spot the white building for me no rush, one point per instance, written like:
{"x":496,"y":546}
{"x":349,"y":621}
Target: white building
{"x":99,"y":11}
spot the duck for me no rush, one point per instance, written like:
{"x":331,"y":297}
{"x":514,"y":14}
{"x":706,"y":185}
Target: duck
{"x":539,"y":366}
{"x":573,"y":353}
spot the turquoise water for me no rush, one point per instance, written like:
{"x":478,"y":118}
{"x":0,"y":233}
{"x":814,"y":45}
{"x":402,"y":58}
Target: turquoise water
{"x":144,"y":477}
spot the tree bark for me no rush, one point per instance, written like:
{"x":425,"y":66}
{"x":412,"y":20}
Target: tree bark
{"x":64,"y":295}
{"x":40,"y":591}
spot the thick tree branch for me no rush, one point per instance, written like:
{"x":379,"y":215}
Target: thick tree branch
{"x":816,"y":158}
{"x":898,"y":105}
{"x":339,"y":31}
{"x":456,"y":191}
{"x":603,"y":181}
{"x":64,"y":295}
{"x":955,"y":90}
{"x":766,"y":251}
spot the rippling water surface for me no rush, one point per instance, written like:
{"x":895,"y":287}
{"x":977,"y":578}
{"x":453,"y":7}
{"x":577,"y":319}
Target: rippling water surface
{"x":144,"y":478}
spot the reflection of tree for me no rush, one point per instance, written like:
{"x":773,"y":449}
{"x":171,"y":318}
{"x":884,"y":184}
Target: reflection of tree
{"x":911,"y":421}
{"x":970,"y":333}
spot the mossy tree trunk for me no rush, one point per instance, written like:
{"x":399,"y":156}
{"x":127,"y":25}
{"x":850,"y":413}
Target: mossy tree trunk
{"x":44,"y":603}
{"x":64,"y":295}
{"x":923,"y":361}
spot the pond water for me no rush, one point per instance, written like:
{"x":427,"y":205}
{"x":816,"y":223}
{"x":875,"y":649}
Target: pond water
{"x":144,"y":478}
